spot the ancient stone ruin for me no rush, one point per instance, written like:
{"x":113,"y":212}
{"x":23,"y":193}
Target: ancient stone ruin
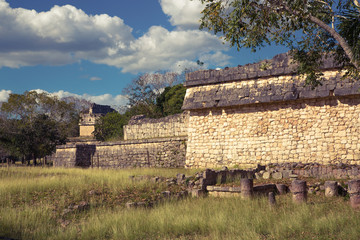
{"x":263,"y":113}
{"x":260,"y":113}
{"x":148,"y":143}
{"x":88,"y":118}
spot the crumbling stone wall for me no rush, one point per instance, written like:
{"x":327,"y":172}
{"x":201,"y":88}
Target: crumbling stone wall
{"x":65,"y":156}
{"x":88,"y":118}
{"x":148,"y":143}
{"x":250,"y":115}
{"x":168,"y":152}
{"x":140,"y":127}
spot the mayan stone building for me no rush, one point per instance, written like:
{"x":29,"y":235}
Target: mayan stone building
{"x":148,"y":143}
{"x":88,"y":118}
{"x":263,"y":113}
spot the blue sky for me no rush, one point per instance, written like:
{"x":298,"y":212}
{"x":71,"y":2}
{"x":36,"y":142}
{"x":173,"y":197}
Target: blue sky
{"x":93,"y":49}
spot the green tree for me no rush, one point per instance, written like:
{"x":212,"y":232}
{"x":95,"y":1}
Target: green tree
{"x":312,"y":29}
{"x":10,"y":137}
{"x":143,"y":91}
{"x":110,"y":126}
{"x":171,"y":100}
{"x":30,"y":104}
{"x":75,"y":107}
{"x":32,"y":124}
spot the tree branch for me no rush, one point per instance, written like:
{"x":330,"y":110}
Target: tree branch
{"x":357,"y":4}
{"x":342,"y":42}
{"x":332,"y":12}
{"x":345,"y":46}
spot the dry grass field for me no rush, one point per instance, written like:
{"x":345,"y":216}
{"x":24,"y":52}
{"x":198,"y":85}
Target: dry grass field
{"x":33,"y":203}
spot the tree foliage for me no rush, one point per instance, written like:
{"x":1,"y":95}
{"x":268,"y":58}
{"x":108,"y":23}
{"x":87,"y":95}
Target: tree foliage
{"x":312,"y":29}
{"x":32,"y":124}
{"x":110,"y":126}
{"x":31,"y":104}
{"x":143,"y":91}
{"x":168,"y":102}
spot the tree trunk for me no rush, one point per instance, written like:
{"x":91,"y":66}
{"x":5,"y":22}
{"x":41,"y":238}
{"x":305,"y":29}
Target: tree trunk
{"x":344,"y":45}
{"x":34,"y":159}
{"x":342,"y":42}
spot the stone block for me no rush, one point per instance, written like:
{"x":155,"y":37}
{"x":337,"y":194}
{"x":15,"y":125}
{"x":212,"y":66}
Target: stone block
{"x":299,"y":191}
{"x":277,"y":175}
{"x":344,"y":91}
{"x":354,"y":191}
{"x":266,"y":175}
{"x":264,"y":189}
{"x":130,"y":205}
{"x":180,"y":178}
{"x":197,"y":193}
{"x":331,"y":189}
{"x":307,"y":94}
{"x":246,"y":188}
{"x":282,"y":188}
{"x":290,"y":96}
{"x":287,"y":173}
{"x":271,"y":197}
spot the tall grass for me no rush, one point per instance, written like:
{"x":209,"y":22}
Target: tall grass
{"x":221,"y":219}
{"x":32,"y":199}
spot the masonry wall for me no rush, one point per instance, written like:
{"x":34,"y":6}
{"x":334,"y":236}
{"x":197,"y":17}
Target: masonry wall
{"x":86,"y":130}
{"x":168,"y":153}
{"x":325,"y":131}
{"x":251,"y":115}
{"x":165,"y":152}
{"x":65,"y":156}
{"x":146,"y":128}
{"x":148,"y":143}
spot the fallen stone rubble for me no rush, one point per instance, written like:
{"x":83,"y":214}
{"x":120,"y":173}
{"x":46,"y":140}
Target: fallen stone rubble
{"x":207,"y":182}
{"x":197,"y":184}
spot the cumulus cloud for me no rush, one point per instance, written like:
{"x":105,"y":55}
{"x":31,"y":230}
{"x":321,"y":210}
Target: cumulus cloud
{"x":62,"y":35}
{"x":4,"y":95}
{"x":183,"y":13}
{"x":65,"y":35}
{"x":217,"y":58}
{"x":161,"y":49}
{"x":105,"y":99}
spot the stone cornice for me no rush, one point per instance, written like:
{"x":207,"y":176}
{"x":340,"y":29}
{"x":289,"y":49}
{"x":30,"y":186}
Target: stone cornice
{"x":250,"y":85}
{"x":280,"y":65}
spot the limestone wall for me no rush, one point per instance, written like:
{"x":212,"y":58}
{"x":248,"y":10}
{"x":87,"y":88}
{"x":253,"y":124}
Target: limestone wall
{"x":264,"y":113}
{"x":325,"y":131}
{"x":148,"y":143}
{"x":65,"y":156}
{"x":169,"y":152}
{"x":86,"y":130}
{"x":146,"y":128}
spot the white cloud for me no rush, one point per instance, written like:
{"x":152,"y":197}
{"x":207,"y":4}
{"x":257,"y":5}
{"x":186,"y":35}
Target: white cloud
{"x":218,"y":58}
{"x":161,"y":49}
{"x":95,"y":79}
{"x":183,"y":13}
{"x":105,"y":99}
{"x":65,"y":35}
{"x":62,"y":35}
{"x":4,"y":95}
